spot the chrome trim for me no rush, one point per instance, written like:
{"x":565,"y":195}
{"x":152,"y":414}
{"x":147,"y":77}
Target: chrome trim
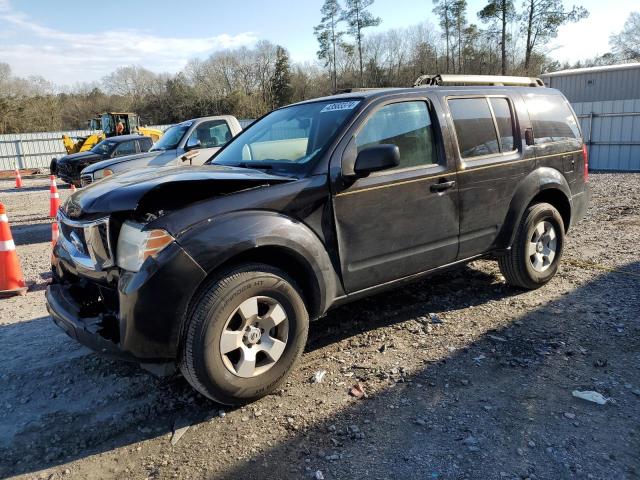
{"x":92,"y":259}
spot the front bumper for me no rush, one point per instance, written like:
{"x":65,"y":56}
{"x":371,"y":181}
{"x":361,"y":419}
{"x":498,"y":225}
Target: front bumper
{"x":133,"y":316}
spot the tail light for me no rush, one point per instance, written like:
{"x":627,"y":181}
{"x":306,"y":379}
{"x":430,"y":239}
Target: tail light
{"x":585,"y":156}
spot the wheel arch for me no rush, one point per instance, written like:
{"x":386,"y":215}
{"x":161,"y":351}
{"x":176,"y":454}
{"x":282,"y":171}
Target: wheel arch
{"x":270,"y":238}
{"x":543,"y":184}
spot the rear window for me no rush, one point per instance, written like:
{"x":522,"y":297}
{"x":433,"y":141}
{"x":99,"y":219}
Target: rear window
{"x":552,"y":119}
{"x":473,"y":119}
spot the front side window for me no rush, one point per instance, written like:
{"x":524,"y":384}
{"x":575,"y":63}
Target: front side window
{"x":125,"y":148}
{"x":474,"y":126}
{"x":552,"y":119}
{"x":407,"y":125}
{"x":288,"y":140}
{"x":214,"y":133}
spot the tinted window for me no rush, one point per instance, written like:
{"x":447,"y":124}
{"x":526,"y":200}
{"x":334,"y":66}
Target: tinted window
{"x":504,"y":119}
{"x":552,"y":119}
{"x":145,"y":144}
{"x":125,"y":148}
{"x":474,"y":125}
{"x":407,"y":125}
{"x":214,"y":133}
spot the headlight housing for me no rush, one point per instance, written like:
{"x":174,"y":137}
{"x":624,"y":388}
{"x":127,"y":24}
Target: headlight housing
{"x":136,"y":245}
{"x":105,"y":172}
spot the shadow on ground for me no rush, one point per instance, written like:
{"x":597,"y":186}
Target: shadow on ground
{"x":464,"y":415}
{"x":27,"y":234}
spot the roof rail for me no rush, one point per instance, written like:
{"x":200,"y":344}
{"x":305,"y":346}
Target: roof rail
{"x":462,"y":80}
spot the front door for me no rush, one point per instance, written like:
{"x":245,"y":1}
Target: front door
{"x":398,"y":222}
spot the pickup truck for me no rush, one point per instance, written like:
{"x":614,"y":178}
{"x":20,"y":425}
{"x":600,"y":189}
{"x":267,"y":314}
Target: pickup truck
{"x":192,"y":142}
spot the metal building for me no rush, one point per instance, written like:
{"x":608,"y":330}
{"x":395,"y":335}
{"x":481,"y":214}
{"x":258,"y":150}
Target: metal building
{"x":607,"y":102}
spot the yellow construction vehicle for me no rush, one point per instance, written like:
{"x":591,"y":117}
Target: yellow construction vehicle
{"x":109,"y":125}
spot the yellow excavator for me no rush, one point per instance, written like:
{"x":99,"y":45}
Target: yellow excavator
{"x":108,"y":125}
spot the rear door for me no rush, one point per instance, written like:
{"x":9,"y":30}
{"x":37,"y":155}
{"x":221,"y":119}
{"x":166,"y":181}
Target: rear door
{"x":558,"y":141}
{"x":398,"y":222}
{"x":492,"y":159}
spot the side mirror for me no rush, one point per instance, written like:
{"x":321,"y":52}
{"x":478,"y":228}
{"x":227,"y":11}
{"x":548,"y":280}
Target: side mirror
{"x":189,"y":156}
{"x":376,"y":158}
{"x":192,"y":144}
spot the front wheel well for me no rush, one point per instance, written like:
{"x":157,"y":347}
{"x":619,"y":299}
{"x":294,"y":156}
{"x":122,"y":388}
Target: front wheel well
{"x":559,"y":200}
{"x":289,"y":262}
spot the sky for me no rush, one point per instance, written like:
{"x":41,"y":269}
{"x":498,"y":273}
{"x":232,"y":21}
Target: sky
{"x":70,"y":41}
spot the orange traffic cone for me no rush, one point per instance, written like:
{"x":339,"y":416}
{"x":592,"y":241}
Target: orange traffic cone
{"x":18,"y":179}
{"x":54,"y":233}
{"x":11,"y":279}
{"x":54,"y":198}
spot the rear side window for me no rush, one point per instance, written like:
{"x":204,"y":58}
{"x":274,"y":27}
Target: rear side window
{"x":552,"y":119}
{"x":504,"y":121}
{"x":407,"y":125}
{"x":476,"y":129}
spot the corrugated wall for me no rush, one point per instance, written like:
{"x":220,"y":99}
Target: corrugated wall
{"x":598,"y":86}
{"x":612,"y":132}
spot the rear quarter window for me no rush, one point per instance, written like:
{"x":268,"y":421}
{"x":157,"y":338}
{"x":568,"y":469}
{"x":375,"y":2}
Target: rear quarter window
{"x":552,"y":119}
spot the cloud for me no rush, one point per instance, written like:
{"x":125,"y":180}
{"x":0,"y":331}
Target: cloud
{"x":71,"y":57}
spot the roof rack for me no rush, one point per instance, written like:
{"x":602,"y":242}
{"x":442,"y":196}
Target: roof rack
{"x":463,"y":80}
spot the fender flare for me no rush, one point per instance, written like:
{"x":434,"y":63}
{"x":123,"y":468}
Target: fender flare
{"x":537,"y":181}
{"x":217,"y":241}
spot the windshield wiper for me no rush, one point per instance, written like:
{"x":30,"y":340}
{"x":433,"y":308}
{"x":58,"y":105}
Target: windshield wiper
{"x":254,"y":165}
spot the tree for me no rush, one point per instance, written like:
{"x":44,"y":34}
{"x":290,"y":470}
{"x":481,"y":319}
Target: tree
{"x":444,"y":10}
{"x":281,"y":81}
{"x":541,"y":20}
{"x":358,"y":18}
{"x":328,"y":36}
{"x":502,"y":11}
{"x":626,"y":44}
{"x":459,"y":14}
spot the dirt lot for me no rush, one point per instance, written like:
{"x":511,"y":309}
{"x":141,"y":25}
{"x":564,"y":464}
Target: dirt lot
{"x":464,"y":376}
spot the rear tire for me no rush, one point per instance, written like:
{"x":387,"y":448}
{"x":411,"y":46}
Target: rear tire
{"x":537,"y":248}
{"x":244,"y":333}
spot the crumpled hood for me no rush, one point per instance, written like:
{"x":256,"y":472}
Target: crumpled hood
{"x":114,"y":161}
{"x":163,"y":188}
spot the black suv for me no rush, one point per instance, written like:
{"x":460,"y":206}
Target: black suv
{"x":68,"y":168}
{"x":220,"y":267}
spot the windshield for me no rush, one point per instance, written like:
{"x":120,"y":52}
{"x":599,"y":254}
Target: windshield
{"x":104,"y":148}
{"x":171,"y":138}
{"x":289,"y":139}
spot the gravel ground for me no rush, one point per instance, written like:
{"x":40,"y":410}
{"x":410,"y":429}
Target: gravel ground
{"x":464,"y":377}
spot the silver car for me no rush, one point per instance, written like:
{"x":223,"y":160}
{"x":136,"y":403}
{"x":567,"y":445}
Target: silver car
{"x":191,"y":142}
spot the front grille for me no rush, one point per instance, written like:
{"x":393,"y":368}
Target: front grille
{"x":88,"y":243}
{"x":86,"y":180}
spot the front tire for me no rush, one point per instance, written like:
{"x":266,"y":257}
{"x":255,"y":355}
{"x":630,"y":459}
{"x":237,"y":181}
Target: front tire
{"x":537,"y":248}
{"x":244,"y":333}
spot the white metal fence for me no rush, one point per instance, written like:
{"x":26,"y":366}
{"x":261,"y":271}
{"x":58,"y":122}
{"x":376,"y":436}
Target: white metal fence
{"x":35,"y":150}
{"x":611,"y":130}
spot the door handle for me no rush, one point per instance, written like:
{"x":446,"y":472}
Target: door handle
{"x":442,"y":186}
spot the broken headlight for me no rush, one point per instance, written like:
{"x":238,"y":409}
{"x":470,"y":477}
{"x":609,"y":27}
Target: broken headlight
{"x":136,"y":245}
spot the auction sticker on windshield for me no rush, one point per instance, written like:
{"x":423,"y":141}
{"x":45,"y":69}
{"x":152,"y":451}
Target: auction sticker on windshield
{"x":334,"y":107}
